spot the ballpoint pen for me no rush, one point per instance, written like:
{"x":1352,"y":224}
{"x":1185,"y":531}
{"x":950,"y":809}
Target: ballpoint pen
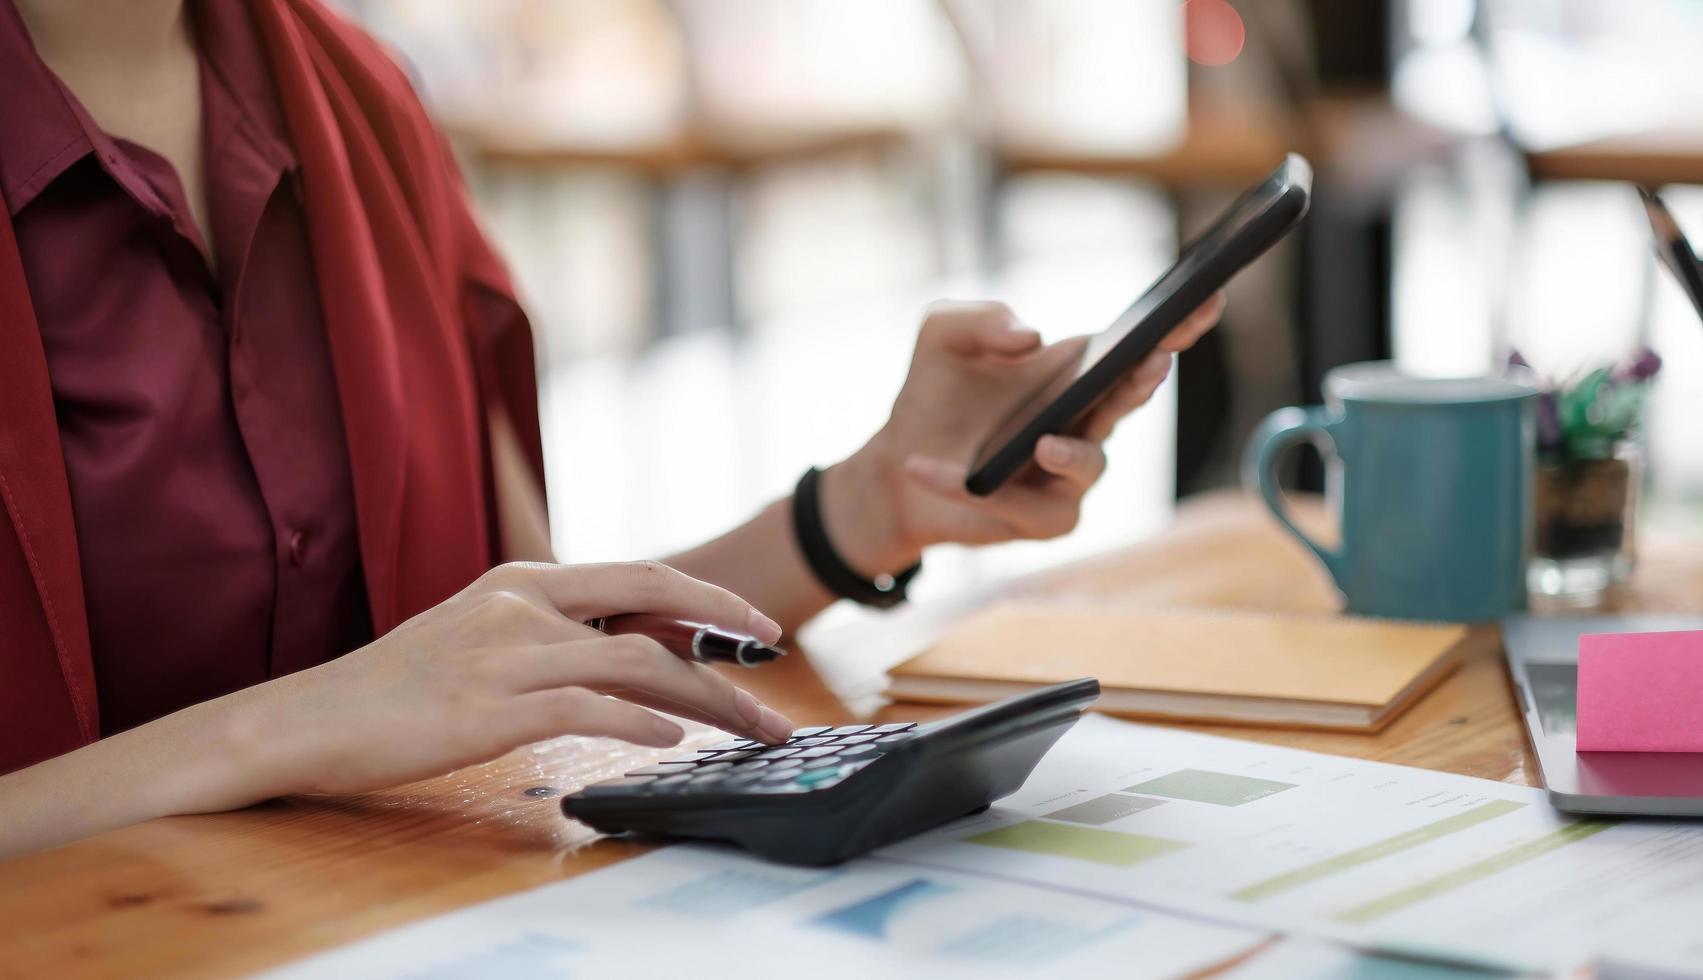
{"x":691,"y":641}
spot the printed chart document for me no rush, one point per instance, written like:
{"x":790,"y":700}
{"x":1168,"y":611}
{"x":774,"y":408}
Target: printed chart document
{"x":1378,"y":855}
{"x":703,"y":911}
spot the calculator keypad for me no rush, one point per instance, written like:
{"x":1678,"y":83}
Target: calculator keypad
{"x":813,"y":758}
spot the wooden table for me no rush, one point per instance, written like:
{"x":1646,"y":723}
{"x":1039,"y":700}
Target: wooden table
{"x":227,"y":893}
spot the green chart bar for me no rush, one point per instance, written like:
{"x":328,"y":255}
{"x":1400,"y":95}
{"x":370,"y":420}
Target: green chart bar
{"x":1376,"y":850}
{"x":1081,"y":843}
{"x":1217,"y":788}
{"x":1396,"y":901}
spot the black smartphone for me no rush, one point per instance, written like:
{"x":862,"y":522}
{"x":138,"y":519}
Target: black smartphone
{"x":1672,"y":248}
{"x":1250,"y":226}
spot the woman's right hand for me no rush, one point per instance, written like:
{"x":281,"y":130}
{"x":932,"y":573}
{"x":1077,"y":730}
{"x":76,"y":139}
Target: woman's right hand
{"x":506,"y":662}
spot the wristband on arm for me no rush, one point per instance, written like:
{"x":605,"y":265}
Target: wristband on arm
{"x":884,"y":592}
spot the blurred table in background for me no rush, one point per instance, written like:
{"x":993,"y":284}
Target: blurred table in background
{"x":1671,"y":156}
{"x":694,"y":175}
{"x":495,"y":141}
{"x":229,"y":893}
{"x":1223,"y":147}
{"x":1230,"y":147}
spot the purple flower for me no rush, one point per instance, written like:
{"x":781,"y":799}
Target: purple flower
{"x":1548,"y":423}
{"x":1642,"y":368}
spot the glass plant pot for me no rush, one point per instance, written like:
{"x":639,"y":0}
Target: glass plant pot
{"x":1583,"y":517}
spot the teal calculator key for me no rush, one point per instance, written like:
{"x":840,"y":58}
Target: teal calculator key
{"x":811,"y":777}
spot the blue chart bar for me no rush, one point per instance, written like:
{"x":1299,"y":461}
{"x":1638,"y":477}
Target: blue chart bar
{"x":1030,"y":939}
{"x":966,"y":927}
{"x":727,"y":893}
{"x":870,"y":917}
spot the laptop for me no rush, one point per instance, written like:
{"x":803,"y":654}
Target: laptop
{"x":1543,"y":657}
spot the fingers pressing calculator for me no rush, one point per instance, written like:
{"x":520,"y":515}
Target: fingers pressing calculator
{"x":829,"y":794}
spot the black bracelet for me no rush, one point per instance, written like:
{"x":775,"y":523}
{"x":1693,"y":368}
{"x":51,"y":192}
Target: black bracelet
{"x":830,"y":569}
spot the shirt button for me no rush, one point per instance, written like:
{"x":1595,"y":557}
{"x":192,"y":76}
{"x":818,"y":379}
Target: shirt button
{"x":298,"y":547}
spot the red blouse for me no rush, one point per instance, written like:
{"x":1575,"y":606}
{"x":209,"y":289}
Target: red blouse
{"x":192,"y":383}
{"x":223,"y":461}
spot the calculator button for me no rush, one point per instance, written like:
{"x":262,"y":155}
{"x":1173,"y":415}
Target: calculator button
{"x":710,"y":778}
{"x":773,"y":776}
{"x":811,"y":742}
{"x":851,"y":729}
{"x":856,"y":739}
{"x":714,"y":767}
{"x":900,"y":726}
{"x":894,"y":737}
{"x":807,"y":732}
{"x":735,"y":756}
{"x":817,"y":777}
{"x":617,"y":787}
{"x":831,"y":760}
{"x":738,"y":743}
{"x":773,"y":754}
{"x":858,"y":751}
{"x":750,"y":764}
{"x":787,"y":787}
{"x":816,"y":752}
{"x":785,"y":764}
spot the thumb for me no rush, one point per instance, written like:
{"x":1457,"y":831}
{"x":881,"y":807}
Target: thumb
{"x":975,"y":328}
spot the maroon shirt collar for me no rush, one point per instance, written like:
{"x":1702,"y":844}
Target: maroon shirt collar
{"x":44,"y":130}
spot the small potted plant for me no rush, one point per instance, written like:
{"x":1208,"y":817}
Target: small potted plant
{"x":1587,"y":478}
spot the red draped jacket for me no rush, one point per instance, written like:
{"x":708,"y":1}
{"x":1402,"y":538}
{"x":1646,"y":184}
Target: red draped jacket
{"x":403,"y":274}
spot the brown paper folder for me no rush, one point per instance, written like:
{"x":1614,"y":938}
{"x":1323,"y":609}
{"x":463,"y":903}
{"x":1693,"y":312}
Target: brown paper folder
{"x":1201,"y":665}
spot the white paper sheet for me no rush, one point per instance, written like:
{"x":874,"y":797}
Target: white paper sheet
{"x":1678,"y":957}
{"x":702,"y":911}
{"x":1387,"y":856}
{"x":1291,"y":958}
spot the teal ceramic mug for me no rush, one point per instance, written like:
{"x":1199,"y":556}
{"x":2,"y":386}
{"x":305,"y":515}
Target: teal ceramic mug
{"x":1432,"y":480}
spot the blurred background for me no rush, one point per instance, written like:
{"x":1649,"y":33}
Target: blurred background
{"x":727,"y":217}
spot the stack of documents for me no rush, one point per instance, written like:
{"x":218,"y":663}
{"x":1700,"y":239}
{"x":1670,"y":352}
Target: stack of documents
{"x":1132,"y":850}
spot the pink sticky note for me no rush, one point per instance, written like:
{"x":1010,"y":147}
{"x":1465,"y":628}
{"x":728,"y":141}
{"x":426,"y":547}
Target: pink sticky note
{"x":1641,"y":692}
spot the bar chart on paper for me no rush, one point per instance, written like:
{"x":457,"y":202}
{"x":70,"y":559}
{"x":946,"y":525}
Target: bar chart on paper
{"x":703,"y":911}
{"x":1404,"y":858}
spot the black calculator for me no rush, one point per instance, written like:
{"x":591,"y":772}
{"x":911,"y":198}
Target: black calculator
{"x":829,"y":794}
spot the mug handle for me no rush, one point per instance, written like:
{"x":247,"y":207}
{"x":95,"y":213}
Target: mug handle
{"x":1281,"y":430}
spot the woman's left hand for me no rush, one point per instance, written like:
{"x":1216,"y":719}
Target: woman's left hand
{"x":974,"y":364}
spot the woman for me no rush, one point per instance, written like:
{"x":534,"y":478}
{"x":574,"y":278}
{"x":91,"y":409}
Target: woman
{"x":268,"y":426}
